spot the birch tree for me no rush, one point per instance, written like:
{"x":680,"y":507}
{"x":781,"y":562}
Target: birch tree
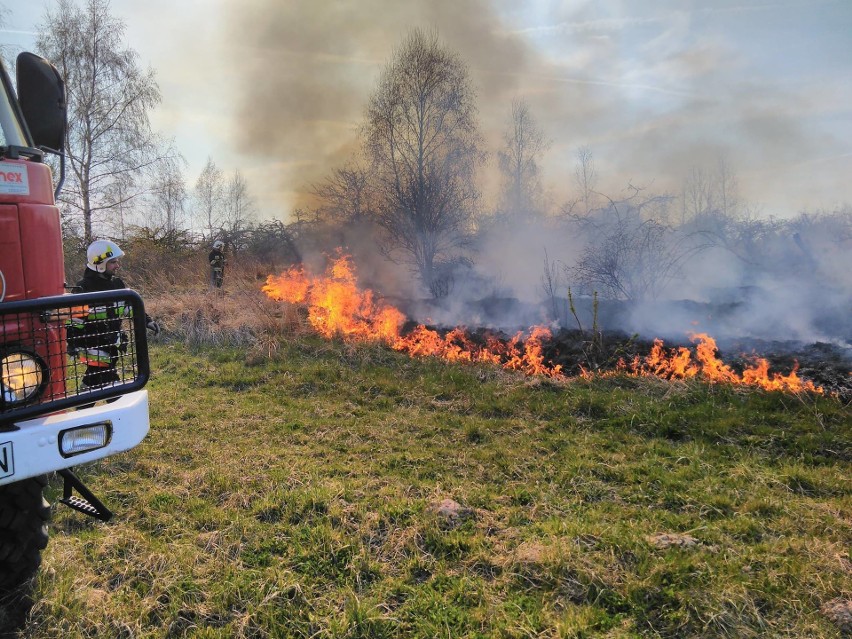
{"x":422,"y":137}
{"x":586,"y":177}
{"x":209,"y":199}
{"x":523,"y":146}
{"x":109,"y":98}
{"x":238,"y":211}
{"x":169,"y":196}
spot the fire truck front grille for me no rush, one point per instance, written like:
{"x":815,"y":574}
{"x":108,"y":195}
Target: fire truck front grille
{"x":65,"y":351}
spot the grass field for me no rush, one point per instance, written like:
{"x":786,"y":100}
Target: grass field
{"x":331,"y":490}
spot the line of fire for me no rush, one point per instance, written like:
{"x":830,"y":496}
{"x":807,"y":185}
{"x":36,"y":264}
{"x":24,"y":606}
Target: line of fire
{"x":338,"y":308}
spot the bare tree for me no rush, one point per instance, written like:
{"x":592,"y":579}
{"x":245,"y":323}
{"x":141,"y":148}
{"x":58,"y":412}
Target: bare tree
{"x":630,"y":254}
{"x":523,"y":145}
{"x":209,"y":196}
{"x":274,"y":244}
{"x":118,"y":197}
{"x":550,"y":285}
{"x":238,"y":210}
{"x":108,"y":97}
{"x":698,"y":194}
{"x":714,"y":215}
{"x":726,"y":187}
{"x":346,"y":195}
{"x":168,"y":199}
{"x":710,"y":191}
{"x":421,"y":135}
{"x":346,"y":213}
{"x":586,"y":176}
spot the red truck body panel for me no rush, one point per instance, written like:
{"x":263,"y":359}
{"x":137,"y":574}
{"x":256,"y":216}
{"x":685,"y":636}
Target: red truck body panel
{"x":31,"y":258}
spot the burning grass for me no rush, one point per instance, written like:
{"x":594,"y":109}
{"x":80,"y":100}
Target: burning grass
{"x":337,"y":308}
{"x":332,"y":305}
{"x":306,"y":494}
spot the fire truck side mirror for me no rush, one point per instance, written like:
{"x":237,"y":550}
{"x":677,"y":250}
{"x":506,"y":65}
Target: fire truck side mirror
{"x":41,"y":94}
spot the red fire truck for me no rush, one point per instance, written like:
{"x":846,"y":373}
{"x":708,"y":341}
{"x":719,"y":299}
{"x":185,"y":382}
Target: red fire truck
{"x":49,"y":420}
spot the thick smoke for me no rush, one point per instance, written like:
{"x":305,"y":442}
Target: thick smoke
{"x":783,"y":281}
{"x":313,"y":66}
{"x":651,"y":95}
{"x":786,"y":284}
{"x":651,"y":89}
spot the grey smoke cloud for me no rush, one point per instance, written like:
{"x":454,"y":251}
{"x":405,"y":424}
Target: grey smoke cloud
{"x":313,"y":66}
{"x":651,"y":88}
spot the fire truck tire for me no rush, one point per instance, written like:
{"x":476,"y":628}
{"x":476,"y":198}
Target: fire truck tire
{"x":24,"y":514}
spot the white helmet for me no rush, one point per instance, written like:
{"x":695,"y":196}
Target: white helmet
{"x":218,"y":244}
{"x":100,"y":252}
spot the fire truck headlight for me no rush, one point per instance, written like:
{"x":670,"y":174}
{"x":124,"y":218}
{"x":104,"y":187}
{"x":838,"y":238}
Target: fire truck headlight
{"x":23,"y":376}
{"x":82,"y":439}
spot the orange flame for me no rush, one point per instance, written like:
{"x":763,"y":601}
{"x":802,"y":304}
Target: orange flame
{"x":338,"y":308}
{"x":335,"y":304}
{"x":679,"y":364}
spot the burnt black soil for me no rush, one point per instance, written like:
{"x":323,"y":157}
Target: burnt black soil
{"x":826,"y":365}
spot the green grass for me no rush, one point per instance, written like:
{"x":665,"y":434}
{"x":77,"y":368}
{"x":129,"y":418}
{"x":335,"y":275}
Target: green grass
{"x":296,"y":497}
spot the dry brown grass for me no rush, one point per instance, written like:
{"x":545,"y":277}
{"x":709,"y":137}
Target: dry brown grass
{"x":238,"y":315}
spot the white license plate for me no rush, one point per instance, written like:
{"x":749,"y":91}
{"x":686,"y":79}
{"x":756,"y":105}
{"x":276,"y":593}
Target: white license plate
{"x":7,"y":460}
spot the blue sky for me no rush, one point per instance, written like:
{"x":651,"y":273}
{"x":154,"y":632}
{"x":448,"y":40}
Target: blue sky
{"x":652,"y":87}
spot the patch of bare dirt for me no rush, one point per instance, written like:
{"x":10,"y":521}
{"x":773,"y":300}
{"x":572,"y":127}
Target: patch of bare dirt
{"x":839,"y":611}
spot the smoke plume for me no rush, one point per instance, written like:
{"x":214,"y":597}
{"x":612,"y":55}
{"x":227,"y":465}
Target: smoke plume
{"x":651,"y":93}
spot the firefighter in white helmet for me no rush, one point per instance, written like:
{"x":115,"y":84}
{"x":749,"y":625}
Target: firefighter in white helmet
{"x":97,"y":338}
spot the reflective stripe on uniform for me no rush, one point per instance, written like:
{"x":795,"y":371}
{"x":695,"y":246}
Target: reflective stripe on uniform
{"x":103,"y":312}
{"x":98,"y":313}
{"x":75,"y":322}
{"x":96,"y":357}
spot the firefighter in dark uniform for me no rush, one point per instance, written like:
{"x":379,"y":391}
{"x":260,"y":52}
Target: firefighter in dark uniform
{"x":217,"y":264}
{"x":97,"y":338}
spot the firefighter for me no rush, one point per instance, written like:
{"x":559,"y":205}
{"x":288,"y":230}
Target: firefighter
{"x":97,"y":338}
{"x":217,"y":264}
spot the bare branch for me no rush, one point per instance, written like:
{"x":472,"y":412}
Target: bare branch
{"x":422,"y":139}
